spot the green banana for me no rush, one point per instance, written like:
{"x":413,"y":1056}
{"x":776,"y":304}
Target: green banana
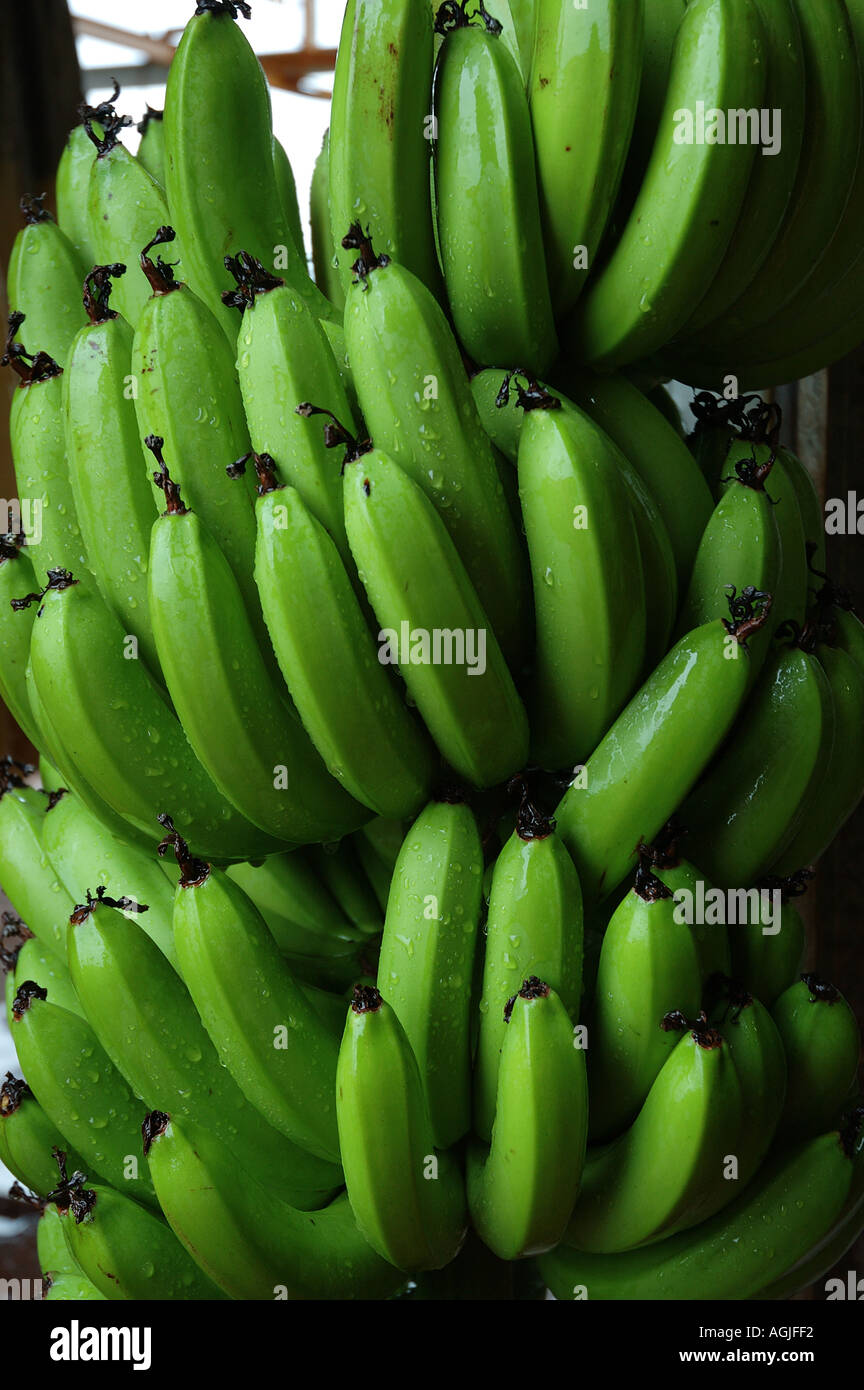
{"x":487,"y":200}
{"x":377,"y":872}
{"x":127,"y":1252}
{"x":584,"y":89}
{"x":48,"y":517}
{"x":409,"y":1202}
{"x":29,"y":878}
{"x":75,"y":1288}
{"x":662,"y":19}
{"x":80,"y":1089}
{"x":809,"y":506}
{"x":421,"y":591}
{"x":849,"y":633}
{"x":85,"y":855}
{"x":768,"y":963}
{"x":760,"y":1061}
{"x":685,"y":213}
{"x":521,"y":1191}
{"x":533,"y":926}
{"x":841,"y":784}
{"x":32,"y":960}
{"x":54,"y":1255}
{"x":147,"y":1022}
{"x":267,"y":768}
{"x":341,"y":873}
{"x":822,"y":1041}
{"x":303,"y":917}
{"x":17,"y":577}
{"x":249,"y":1241}
{"x":267,"y":1034}
{"x":686,"y":882}
{"x":748,"y":808}
{"x":287,"y":186}
{"x":656,"y":451}
{"x":73,"y":182}
{"x":587,"y":575}
{"x":427,"y":955}
{"x":151,"y":147}
{"x":220,"y":176}
{"x":423,"y":417}
{"x":316,"y":625}
{"x":103,"y":451}
{"x":726,"y":1257}
{"x":668,"y":1171}
{"x":379,"y":150}
{"x":323,"y":246}
{"x":656,"y":750}
{"x":28,"y":1138}
{"x":43,"y":281}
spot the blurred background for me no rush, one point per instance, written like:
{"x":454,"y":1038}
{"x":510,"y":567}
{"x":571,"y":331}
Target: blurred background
{"x":53,"y":55}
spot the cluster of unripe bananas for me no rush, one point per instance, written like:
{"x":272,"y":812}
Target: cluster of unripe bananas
{"x":431,"y":754}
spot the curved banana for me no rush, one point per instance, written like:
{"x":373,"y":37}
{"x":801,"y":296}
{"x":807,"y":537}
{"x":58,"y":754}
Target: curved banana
{"x":585,"y":75}
{"x":238,"y":723}
{"x":767,"y":962}
{"x":287,"y":186}
{"x":43,"y":281}
{"x":685,"y":213}
{"x":147,"y":1022}
{"x":80,"y":1089}
{"x":220,"y":177}
{"x":119,"y":729}
{"x":744,"y":813}
{"x":409,"y":1202}
{"x":29,"y":878}
{"x":656,"y":750}
{"x":339,"y":868}
{"x":587,"y":575}
{"x":822,"y":1041}
{"x":17,"y":577}
{"x":249,"y":1241}
{"x":809,"y":507}
{"x":323,"y":246}
{"x":49,"y":519}
{"x":266,"y":1032}
{"x":426,"y":964}
{"x":677,"y":874}
{"x":151,"y":147}
{"x":112,"y":496}
{"x":759,"y":1058}
{"x":36,"y":962}
{"x":667,"y":1172}
{"x":533,"y":927}
{"x":380,"y":146}
{"x":423,"y":417}
{"x":422,"y":594}
{"x":73,"y":183}
{"x":55,"y":1257}
{"x":521,"y":1191}
{"x":28,"y":1138}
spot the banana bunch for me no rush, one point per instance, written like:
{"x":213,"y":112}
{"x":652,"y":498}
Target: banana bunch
{"x":433,"y":742}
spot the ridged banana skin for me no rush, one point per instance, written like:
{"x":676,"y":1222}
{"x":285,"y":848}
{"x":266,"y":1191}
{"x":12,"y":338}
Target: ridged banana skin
{"x":665,"y":1173}
{"x":17,"y":578}
{"x":42,"y":476}
{"x":671,"y":728}
{"x":477,"y":721}
{"x":101,"y":723}
{"x":289,"y":894}
{"x":380,"y":147}
{"x":588,"y":591}
{"x":151,"y":147}
{"x":767,"y":965}
{"x":83,"y":1094}
{"x":822,"y":1041}
{"x":219,"y":173}
{"x":323,"y":246}
{"x":521,"y":1191}
{"x":287,"y":187}
{"x":125,"y":207}
{"x":534,"y":926}
{"x":113,"y":500}
{"x":661,"y":21}
{"x":109,"y":1244}
{"x":426,"y":964}
{"x":70,"y":193}
{"x":146,"y":1021}
{"x":760,"y":1060}
{"x":773,"y":177}
{"x":728,"y":1256}
{"x":649,"y":965}
{"x":748,"y":808}
{"x":86,"y":857}
{"x":423,"y":417}
{"x":385,"y":1132}
{"x":29,"y":878}
{"x":687,"y":208}
{"x":27,"y":1138}
{"x":252,"y":1244}
{"x":654,"y":448}
{"x":317,"y":625}
{"x":43,"y":282}
{"x":488,"y":205}
{"x":284,"y":359}
{"x":841,"y":784}
{"x":54,"y":1254}
{"x":585,"y":75}
{"x":262,"y":1025}
{"x":237,"y":720}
